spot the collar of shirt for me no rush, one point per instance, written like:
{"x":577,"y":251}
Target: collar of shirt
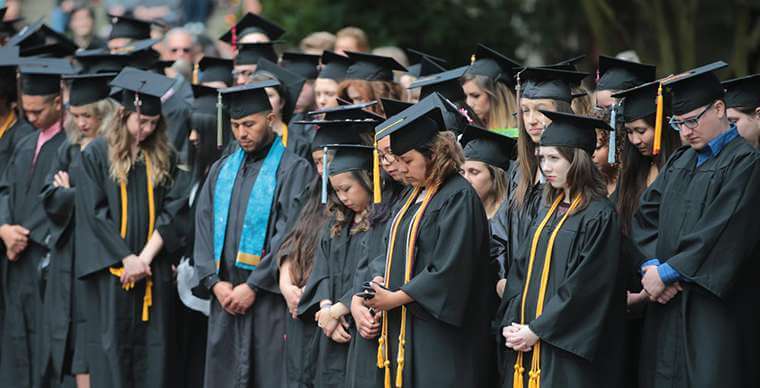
{"x":715,"y":145}
{"x":45,"y":136}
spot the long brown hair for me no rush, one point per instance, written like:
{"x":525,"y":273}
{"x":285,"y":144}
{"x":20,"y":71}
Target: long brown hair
{"x":502,"y":101}
{"x":156,"y":147}
{"x":105,"y":110}
{"x":344,"y":216}
{"x":582,"y":178}
{"x":444,"y":158}
{"x":527,"y":163}
{"x":371,"y":91}
{"x":635,"y":171}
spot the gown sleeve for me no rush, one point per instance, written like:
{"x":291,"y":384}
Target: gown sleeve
{"x":713,"y":253}
{"x":59,"y":201}
{"x":168,"y":224}
{"x":318,"y":286}
{"x":441,"y":288}
{"x":587,"y":291}
{"x":203,"y":251}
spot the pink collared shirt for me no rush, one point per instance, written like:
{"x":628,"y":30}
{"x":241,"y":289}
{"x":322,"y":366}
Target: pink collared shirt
{"x":46,"y":135}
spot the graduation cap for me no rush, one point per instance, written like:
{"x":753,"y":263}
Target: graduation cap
{"x":205,"y":99}
{"x":618,"y":74}
{"x":349,"y":157}
{"x":9,"y":57}
{"x":334,"y":66}
{"x":38,"y":38}
{"x":249,"y":53}
{"x":305,"y":65}
{"x":248,"y":99}
{"x":101,"y":61}
{"x":42,"y":76}
{"x":424,"y":64}
{"x":393,"y":107}
{"x":570,"y":64}
{"x":128,"y":27}
{"x":414,"y":127}
{"x":88,"y":88}
{"x":569,"y":130}
{"x":492,"y":64}
{"x":694,"y":88}
{"x":349,"y":131}
{"x":453,"y":119}
{"x":252,"y":23}
{"x":213,"y":69}
{"x":638,"y":102}
{"x":554,"y":84}
{"x":488,"y":147}
{"x":370,"y":67}
{"x":446,"y":83}
{"x":348,"y":112}
{"x":53,"y":50}
{"x":743,"y":92}
{"x":141,"y":91}
{"x":291,"y":82}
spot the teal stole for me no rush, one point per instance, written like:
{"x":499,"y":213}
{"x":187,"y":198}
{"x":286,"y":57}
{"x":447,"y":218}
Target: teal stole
{"x":257,"y":212}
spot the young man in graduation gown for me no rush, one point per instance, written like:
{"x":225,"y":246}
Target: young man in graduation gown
{"x":696,"y":231}
{"x":24,"y":226}
{"x":244,"y":211}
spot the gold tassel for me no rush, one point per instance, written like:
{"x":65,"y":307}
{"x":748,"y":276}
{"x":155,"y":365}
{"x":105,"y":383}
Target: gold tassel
{"x":658,"y":122}
{"x":147,"y":300}
{"x":196,"y":73}
{"x":517,"y":379}
{"x":377,"y":190}
{"x":380,"y":350}
{"x":387,"y":376}
{"x":472,"y":59}
{"x":401,"y":350}
{"x":285,"y":136}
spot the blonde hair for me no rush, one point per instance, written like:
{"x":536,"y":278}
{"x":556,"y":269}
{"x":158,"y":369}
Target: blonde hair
{"x":104,"y":110}
{"x":498,"y":184}
{"x":362,"y":42}
{"x":318,"y":42}
{"x":501,"y":98}
{"x":156,"y":147}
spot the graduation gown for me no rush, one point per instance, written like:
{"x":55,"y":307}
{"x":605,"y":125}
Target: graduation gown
{"x":703,"y":222}
{"x":300,"y":136}
{"x":176,"y":111}
{"x":24,"y":279}
{"x":251,"y":345}
{"x":448,"y":341}
{"x":121,"y":349}
{"x":62,"y":313}
{"x":11,"y":138}
{"x":336,"y":263}
{"x":584,"y":305}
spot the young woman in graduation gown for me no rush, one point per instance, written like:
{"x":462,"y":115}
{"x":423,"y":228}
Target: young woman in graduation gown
{"x":65,"y":310}
{"x":341,"y":248}
{"x":436,"y":313}
{"x":565,"y":300}
{"x":128,"y":202}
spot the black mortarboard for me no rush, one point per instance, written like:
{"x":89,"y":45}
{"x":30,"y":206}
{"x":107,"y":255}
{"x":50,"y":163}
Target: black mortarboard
{"x":215,"y":69}
{"x":38,"y":38}
{"x":492,"y":64}
{"x":341,"y":132}
{"x":249,"y":53}
{"x":453,"y":119}
{"x":248,"y":99}
{"x":291,"y":82}
{"x":101,"y":61}
{"x":488,"y":147}
{"x":570,"y":64}
{"x":539,"y":83}
{"x":743,"y":92}
{"x":414,"y":127}
{"x":42,"y":76}
{"x":446,"y":83}
{"x":370,"y":67}
{"x":141,"y":87}
{"x":205,"y":99}
{"x":349,"y":157}
{"x":251,"y":23}
{"x":393,"y":107}
{"x":334,"y":66}
{"x":424,"y":64}
{"x":639,"y":102}
{"x":305,"y":65}
{"x":88,"y":88}
{"x":694,"y":88}
{"x":569,"y":130}
{"x":9,"y":57}
{"x":53,"y":50}
{"x":128,"y":27}
{"x":617,"y":74}
{"x":140,"y":53}
{"x":348,"y":112}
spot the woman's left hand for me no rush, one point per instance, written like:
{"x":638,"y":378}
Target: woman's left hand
{"x":520,"y":338}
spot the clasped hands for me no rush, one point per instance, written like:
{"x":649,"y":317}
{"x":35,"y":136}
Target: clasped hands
{"x":235,"y":300}
{"x":332,"y":320}
{"x":519,"y":337}
{"x":656,"y":289}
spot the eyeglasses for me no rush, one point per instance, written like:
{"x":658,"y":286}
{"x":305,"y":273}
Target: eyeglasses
{"x":690,"y":123}
{"x":183,"y":49}
{"x":387,"y":158}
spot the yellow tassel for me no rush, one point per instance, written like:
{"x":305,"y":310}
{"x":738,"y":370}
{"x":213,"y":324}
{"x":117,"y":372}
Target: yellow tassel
{"x":401,"y":350}
{"x":658,"y":122}
{"x":147,"y":300}
{"x":377,"y":190}
{"x":196,"y":73}
{"x":517,"y":379}
{"x":387,"y":376}
{"x":380,"y":351}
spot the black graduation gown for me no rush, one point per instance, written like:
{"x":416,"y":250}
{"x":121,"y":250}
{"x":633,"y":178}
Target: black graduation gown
{"x":448,"y":341}
{"x":584,"y":306}
{"x":300,"y":136}
{"x":703,"y":222}
{"x":10,"y":139}
{"x":176,"y":111}
{"x":62,"y":313}
{"x":335,"y":264}
{"x":121,"y":349}
{"x":258,"y":336}
{"x":23,"y":283}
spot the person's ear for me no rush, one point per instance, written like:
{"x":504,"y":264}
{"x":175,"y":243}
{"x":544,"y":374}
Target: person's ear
{"x":57,"y":102}
{"x":270,"y":118}
{"x":720,"y":108}
{"x":757,"y":113}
